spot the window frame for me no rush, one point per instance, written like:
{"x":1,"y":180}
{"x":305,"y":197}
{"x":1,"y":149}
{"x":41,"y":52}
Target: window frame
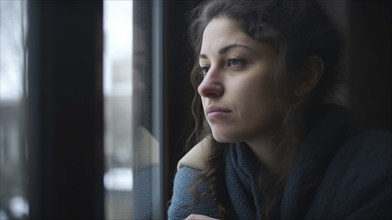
{"x":65,"y":110}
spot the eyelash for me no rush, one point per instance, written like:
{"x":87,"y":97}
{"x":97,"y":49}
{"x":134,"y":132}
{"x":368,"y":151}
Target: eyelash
{"x":241,"y":63}
{"x":204,"y":70}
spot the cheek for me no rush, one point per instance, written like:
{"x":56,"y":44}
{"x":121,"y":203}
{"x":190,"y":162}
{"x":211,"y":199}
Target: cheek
{"x":256,"y":93}
{"x":203,"y":100}
{"x":258,"y":103}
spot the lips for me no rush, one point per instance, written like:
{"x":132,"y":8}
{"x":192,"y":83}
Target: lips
{"x":213,"y":109}
{"x":217,"y":113}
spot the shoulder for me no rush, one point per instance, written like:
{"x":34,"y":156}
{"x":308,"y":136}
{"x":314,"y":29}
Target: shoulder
{"x":183,"y":201}
{"x":196,"y":158}
{"x":366,"y":155}
{"x":372,"y":146}
{"x":359,"y":176}
{"x":366,"y":158}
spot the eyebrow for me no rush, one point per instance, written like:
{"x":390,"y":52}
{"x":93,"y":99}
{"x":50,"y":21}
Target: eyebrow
{"x":225,"y":49}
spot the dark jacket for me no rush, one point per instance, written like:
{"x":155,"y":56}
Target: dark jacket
{"x":341,"y":171}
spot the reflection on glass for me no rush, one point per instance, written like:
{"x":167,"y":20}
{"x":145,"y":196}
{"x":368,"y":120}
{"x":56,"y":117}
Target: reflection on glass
{"x":118,"y":177}
{"x":146,"y":105}
{"x":131,"y":150}
{"x":13,"y":156}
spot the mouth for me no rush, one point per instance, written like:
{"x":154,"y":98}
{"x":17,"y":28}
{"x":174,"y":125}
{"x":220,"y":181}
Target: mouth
{"x":217,"y":113}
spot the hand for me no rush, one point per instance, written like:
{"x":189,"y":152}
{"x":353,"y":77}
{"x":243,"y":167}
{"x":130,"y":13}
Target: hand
{"x":199,"y":217}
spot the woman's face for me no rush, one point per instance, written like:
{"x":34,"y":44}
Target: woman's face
{"x":236,"y":92}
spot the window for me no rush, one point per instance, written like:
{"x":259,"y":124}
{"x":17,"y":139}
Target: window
{"x":132,"y":110}
{"x":13,"y":154}
{"x":89,"y":137}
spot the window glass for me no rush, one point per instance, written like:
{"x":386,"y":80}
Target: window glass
{"x":118,"y":177}
{"x":131,"y":150}
{"x":13,"y":154}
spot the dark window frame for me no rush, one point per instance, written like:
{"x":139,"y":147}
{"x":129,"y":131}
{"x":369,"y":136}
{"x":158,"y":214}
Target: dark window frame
{"x":65,"y":110}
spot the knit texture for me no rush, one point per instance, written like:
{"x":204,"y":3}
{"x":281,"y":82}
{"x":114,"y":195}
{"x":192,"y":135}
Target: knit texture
{"x":341,"y":171}
{"x":183,"y":204}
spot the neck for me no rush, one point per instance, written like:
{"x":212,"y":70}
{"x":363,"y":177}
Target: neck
{"x":278,"y":159}
{"x":266,"y":153}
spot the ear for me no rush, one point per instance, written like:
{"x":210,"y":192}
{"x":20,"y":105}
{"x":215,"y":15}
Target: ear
{"x":313,"y":70}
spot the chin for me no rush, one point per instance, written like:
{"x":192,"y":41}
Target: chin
{"x":224,"y":138}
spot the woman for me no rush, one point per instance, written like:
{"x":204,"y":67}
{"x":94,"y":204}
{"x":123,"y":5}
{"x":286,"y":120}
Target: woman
{"x":274,"y":144}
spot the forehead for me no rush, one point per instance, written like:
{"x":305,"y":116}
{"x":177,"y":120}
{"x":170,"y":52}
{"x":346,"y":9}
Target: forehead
{"x":221,"y":32}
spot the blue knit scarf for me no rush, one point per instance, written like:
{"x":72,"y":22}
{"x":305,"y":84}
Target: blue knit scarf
{"x":332,"y":127}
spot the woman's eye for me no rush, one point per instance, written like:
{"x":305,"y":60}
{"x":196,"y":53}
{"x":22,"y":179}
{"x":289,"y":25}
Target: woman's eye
{"x":236,"y":63}
{"x":204,"y":70}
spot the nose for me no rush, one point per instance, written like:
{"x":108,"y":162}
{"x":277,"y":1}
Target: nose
{"x":212,"y":85}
